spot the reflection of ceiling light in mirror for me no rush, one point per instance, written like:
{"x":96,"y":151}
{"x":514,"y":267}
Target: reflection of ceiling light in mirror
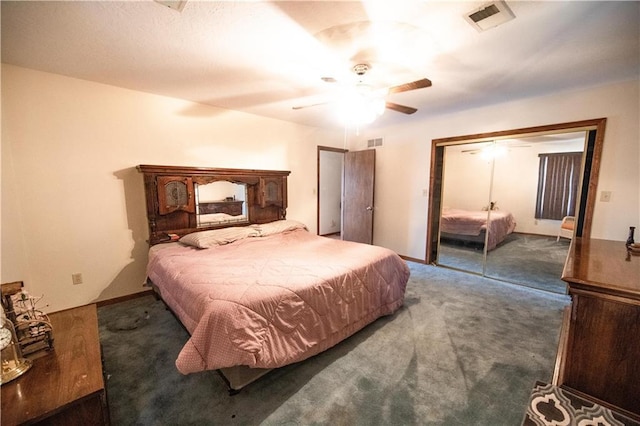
{"x":493,"y":151}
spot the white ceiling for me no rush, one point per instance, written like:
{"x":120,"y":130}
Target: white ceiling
{"x":265,"y":57}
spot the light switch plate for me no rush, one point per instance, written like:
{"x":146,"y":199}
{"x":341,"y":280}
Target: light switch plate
{"x":605,"y":196}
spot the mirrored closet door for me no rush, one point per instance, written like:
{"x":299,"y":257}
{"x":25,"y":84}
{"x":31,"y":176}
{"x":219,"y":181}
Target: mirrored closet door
{"x":495,"y":217}
{"x":466,"y":190}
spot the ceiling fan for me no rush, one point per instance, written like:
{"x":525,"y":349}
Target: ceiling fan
{"x":363,"y":93}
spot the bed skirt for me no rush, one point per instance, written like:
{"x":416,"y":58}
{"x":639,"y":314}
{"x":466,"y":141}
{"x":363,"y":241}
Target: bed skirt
{"x":476,"y":239}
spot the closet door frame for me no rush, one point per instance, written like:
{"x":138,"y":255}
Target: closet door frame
{"x":595,"y":129}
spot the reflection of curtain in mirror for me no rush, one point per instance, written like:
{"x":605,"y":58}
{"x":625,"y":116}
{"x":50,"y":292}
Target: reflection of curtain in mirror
{"x":558,"y":179}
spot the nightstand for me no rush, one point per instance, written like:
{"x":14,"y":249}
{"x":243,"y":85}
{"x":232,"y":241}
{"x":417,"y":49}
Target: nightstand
{"x":66,"y":386}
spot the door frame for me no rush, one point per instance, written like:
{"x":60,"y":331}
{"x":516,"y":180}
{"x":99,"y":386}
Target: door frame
{"x":589,"y":183}
{"x":319,"y":149}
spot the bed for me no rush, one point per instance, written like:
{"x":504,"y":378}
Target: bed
{"x":263,"y":293}
{"x":267,"y":295}
{"x":471,"y":226}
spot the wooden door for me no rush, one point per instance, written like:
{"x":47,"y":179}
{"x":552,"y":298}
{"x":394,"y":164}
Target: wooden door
{"x":357,"y":199}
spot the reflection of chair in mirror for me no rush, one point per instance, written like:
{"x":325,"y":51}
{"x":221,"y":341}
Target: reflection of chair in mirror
{"x":566,"y":227}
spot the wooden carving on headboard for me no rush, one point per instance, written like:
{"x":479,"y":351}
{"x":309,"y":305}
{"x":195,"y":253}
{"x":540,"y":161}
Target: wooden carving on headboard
{"x":176,"y":204}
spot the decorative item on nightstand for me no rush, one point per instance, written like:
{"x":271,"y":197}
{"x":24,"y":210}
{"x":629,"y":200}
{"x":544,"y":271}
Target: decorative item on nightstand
{"x":32,"y":326}
{"x":13,"y":364}
{"x":493,"y":205}
{"x":630,"y":238}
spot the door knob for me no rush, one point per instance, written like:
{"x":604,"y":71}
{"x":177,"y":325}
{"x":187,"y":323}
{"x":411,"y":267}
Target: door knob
{"x":369,"y":208}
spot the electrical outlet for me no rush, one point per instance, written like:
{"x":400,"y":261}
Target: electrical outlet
{"x":76,"y":279}
{"x":605,"y":196}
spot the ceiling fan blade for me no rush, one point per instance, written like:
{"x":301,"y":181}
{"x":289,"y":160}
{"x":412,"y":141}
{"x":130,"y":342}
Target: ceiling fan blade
{"x":309,"y":106}
{"x":400,"y":108}
{"x":418,"y":84}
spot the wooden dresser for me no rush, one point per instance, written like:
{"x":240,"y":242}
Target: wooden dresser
{"x":65,"y":386}
{"x":600,"y":343}
{"x":233,"y":208}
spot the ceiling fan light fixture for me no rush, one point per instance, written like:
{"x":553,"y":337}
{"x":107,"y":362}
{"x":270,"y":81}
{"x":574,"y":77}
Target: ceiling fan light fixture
{"x":356,"y":109}
{"x":379,"y":105}
{"x":361,"y":104}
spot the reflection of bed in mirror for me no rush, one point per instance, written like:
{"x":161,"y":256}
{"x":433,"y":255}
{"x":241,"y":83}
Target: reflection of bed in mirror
{"x":220,"y":219}
{"x":220,"y":203}
{"x":470,"y":226}
{"x":221,"y":212}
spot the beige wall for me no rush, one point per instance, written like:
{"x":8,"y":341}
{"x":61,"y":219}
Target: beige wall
{"x":403,"y":163}
{"x":72,"y":201}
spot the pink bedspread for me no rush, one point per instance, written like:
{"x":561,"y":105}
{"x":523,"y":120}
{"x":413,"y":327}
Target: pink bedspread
{"x":270,"y":301}
{"x":465,"y":222}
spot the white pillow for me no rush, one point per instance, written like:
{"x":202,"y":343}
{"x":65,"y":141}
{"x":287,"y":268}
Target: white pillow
{"x":278,"y":226}
{"x":216,"y":237}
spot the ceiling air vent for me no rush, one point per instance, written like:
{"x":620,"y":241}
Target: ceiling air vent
{"x":374,"y":142}
{"x":173,"y":4}
{"x":490,"y":15}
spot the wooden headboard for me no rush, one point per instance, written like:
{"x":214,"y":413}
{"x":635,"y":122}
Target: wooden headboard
{"x":172,"y":203}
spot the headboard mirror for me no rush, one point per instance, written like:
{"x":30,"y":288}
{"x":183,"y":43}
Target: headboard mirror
{"x":181,"y":200}
{"x":221,"y":202}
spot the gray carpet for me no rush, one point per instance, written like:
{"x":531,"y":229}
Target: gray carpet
{"x":532,"y":260}
{"x":464,"y":350}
